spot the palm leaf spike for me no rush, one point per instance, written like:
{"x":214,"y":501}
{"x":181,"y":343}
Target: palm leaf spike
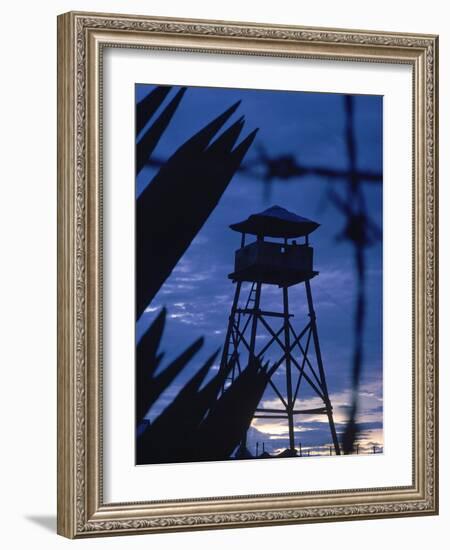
{"x":225,"y":142}
{"x":225,"y":426}
{"x":199,"y":141}
{"x":147,"y":361}
{"x":148,"y":106}
{"x":147,"y":357}
{"x":184,"y":403}
{"x":210,"y":392}
{"x":151,"y":137}
{"x":148,"y":386}
{"x":240,"y":151}
{"x":148,"y":391}
{"x":168,"y":438}
{"x":167,"y":376}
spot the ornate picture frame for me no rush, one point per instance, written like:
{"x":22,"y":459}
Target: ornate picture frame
{"x":82,"y":40}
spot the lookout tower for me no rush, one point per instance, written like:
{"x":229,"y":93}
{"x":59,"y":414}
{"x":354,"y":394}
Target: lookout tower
{"x":252,"y":330}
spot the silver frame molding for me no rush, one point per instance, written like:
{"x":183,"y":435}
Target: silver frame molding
{"x":81,"y":38}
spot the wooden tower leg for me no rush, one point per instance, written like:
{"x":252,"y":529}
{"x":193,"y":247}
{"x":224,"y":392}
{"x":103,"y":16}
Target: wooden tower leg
{"x":254,"y":328}
{"x":312,"y":315}
{"x":287,"y":361}
{"x":224,"y":361}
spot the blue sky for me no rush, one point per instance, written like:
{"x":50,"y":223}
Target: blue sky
{"x":198,"y":293}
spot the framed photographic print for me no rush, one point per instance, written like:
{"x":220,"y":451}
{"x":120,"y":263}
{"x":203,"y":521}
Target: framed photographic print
{"x":247,"y":276}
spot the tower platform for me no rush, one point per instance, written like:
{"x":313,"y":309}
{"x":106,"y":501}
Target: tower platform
{"x":274,"y":263}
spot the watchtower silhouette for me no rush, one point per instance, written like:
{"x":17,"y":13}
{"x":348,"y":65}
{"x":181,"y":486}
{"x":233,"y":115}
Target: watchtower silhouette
{"x":282,"y":263}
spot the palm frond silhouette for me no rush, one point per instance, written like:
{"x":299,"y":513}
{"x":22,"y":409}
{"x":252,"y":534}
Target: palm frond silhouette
{"x":169,"y":213}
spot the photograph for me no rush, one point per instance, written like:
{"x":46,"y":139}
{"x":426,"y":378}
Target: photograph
{"x":258,"y":274}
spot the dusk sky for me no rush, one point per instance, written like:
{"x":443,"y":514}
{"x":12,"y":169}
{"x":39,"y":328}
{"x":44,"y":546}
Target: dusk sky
{"x":198,"y":293}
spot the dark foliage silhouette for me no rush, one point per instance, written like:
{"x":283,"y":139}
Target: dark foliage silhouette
{"x":169,"y":213}
{"x":177,"y":202}
{"x":229,"y":419}
{"x":196,"y":424}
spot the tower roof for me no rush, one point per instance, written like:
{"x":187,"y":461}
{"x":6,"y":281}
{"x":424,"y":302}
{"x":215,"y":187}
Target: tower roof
{"x":276,"y":222}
